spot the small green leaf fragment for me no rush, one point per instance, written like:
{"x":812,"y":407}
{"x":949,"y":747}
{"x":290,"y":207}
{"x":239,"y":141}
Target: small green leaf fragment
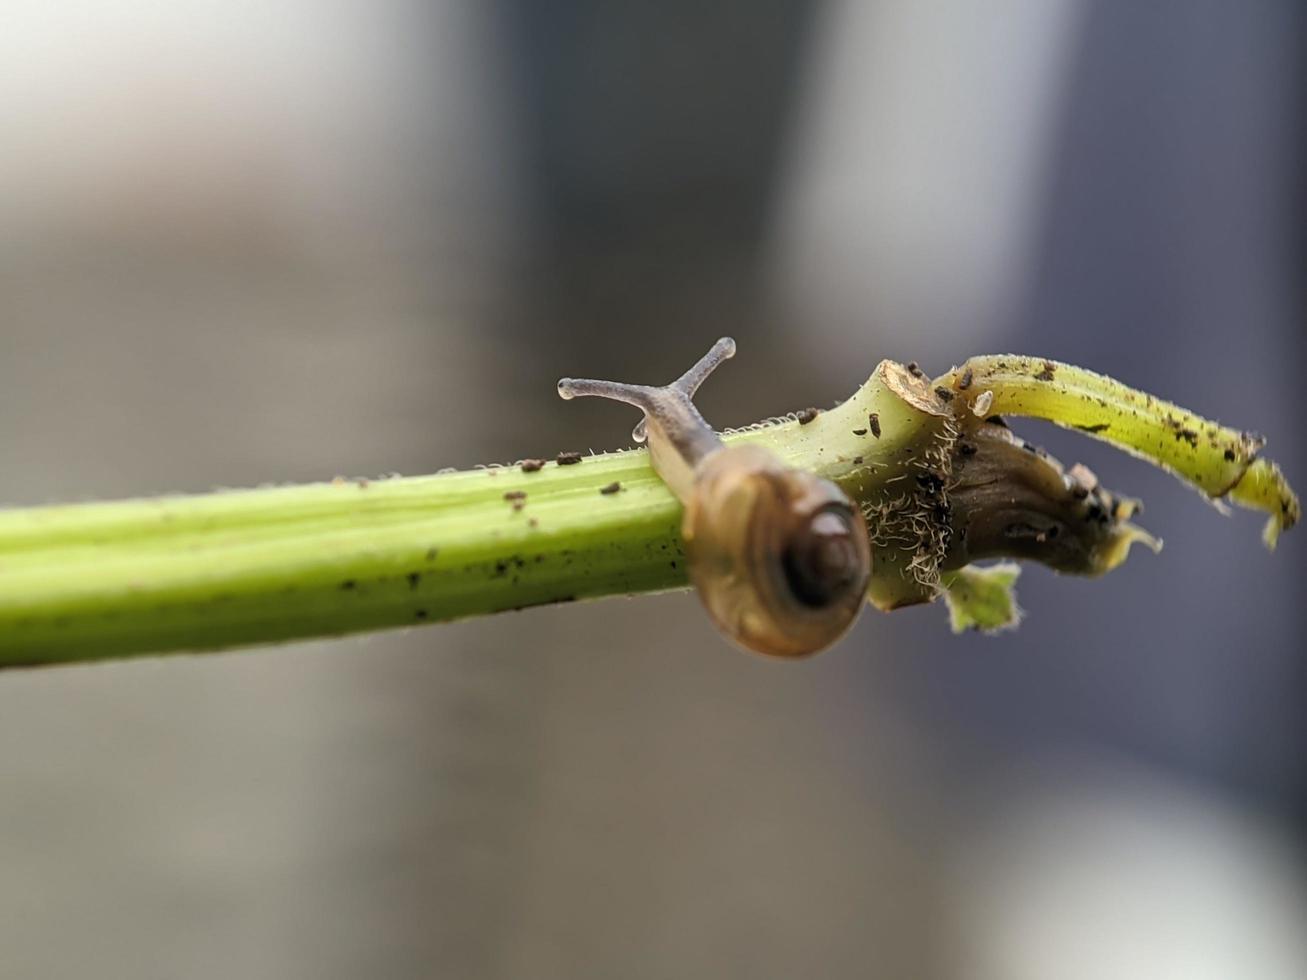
{"x":982,"y":598}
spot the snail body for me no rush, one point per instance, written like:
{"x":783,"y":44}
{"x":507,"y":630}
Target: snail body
{"x":780,"y":557}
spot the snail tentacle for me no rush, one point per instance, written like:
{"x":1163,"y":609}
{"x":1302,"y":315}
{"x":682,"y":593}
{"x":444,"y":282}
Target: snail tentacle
{"x":641,"y":396}
{"x":690,"y":381}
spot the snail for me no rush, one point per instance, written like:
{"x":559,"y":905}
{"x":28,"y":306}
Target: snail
{"x":779,"y":557}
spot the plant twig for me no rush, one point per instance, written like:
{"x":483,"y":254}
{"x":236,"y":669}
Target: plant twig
{"x":1219,"y":461}
{"x":99,"y":581}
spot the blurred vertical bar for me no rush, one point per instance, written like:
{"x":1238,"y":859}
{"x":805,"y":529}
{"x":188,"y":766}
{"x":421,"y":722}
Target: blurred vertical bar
{"x":652,"y":136}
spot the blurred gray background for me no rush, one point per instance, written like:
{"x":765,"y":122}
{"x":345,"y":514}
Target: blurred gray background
{"x":245,"y":242}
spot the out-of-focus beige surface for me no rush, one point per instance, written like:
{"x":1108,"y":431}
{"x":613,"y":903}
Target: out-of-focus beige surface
{"x":244,"y":244}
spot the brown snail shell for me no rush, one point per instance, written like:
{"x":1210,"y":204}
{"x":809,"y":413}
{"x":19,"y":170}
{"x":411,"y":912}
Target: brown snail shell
{"x":780,"y":557}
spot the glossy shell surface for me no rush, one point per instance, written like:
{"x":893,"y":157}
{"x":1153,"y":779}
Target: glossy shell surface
{"x":779,"y":556}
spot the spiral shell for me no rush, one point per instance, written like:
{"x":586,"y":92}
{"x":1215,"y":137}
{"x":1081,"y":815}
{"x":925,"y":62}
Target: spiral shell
{"x":780,"y":557}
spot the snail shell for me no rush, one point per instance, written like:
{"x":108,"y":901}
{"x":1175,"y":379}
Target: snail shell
{"x":780,"y":557}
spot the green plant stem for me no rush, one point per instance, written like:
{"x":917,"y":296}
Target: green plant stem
{"x":258,"y":566}
{"x":98,"y":581}
{"x":95,"y":581}
{"x":1220,"y":462}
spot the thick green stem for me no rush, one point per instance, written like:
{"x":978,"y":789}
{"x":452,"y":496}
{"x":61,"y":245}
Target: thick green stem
{"x":94,"y":581}
{"x":97,"y":581}
{"x":257,"y":566}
